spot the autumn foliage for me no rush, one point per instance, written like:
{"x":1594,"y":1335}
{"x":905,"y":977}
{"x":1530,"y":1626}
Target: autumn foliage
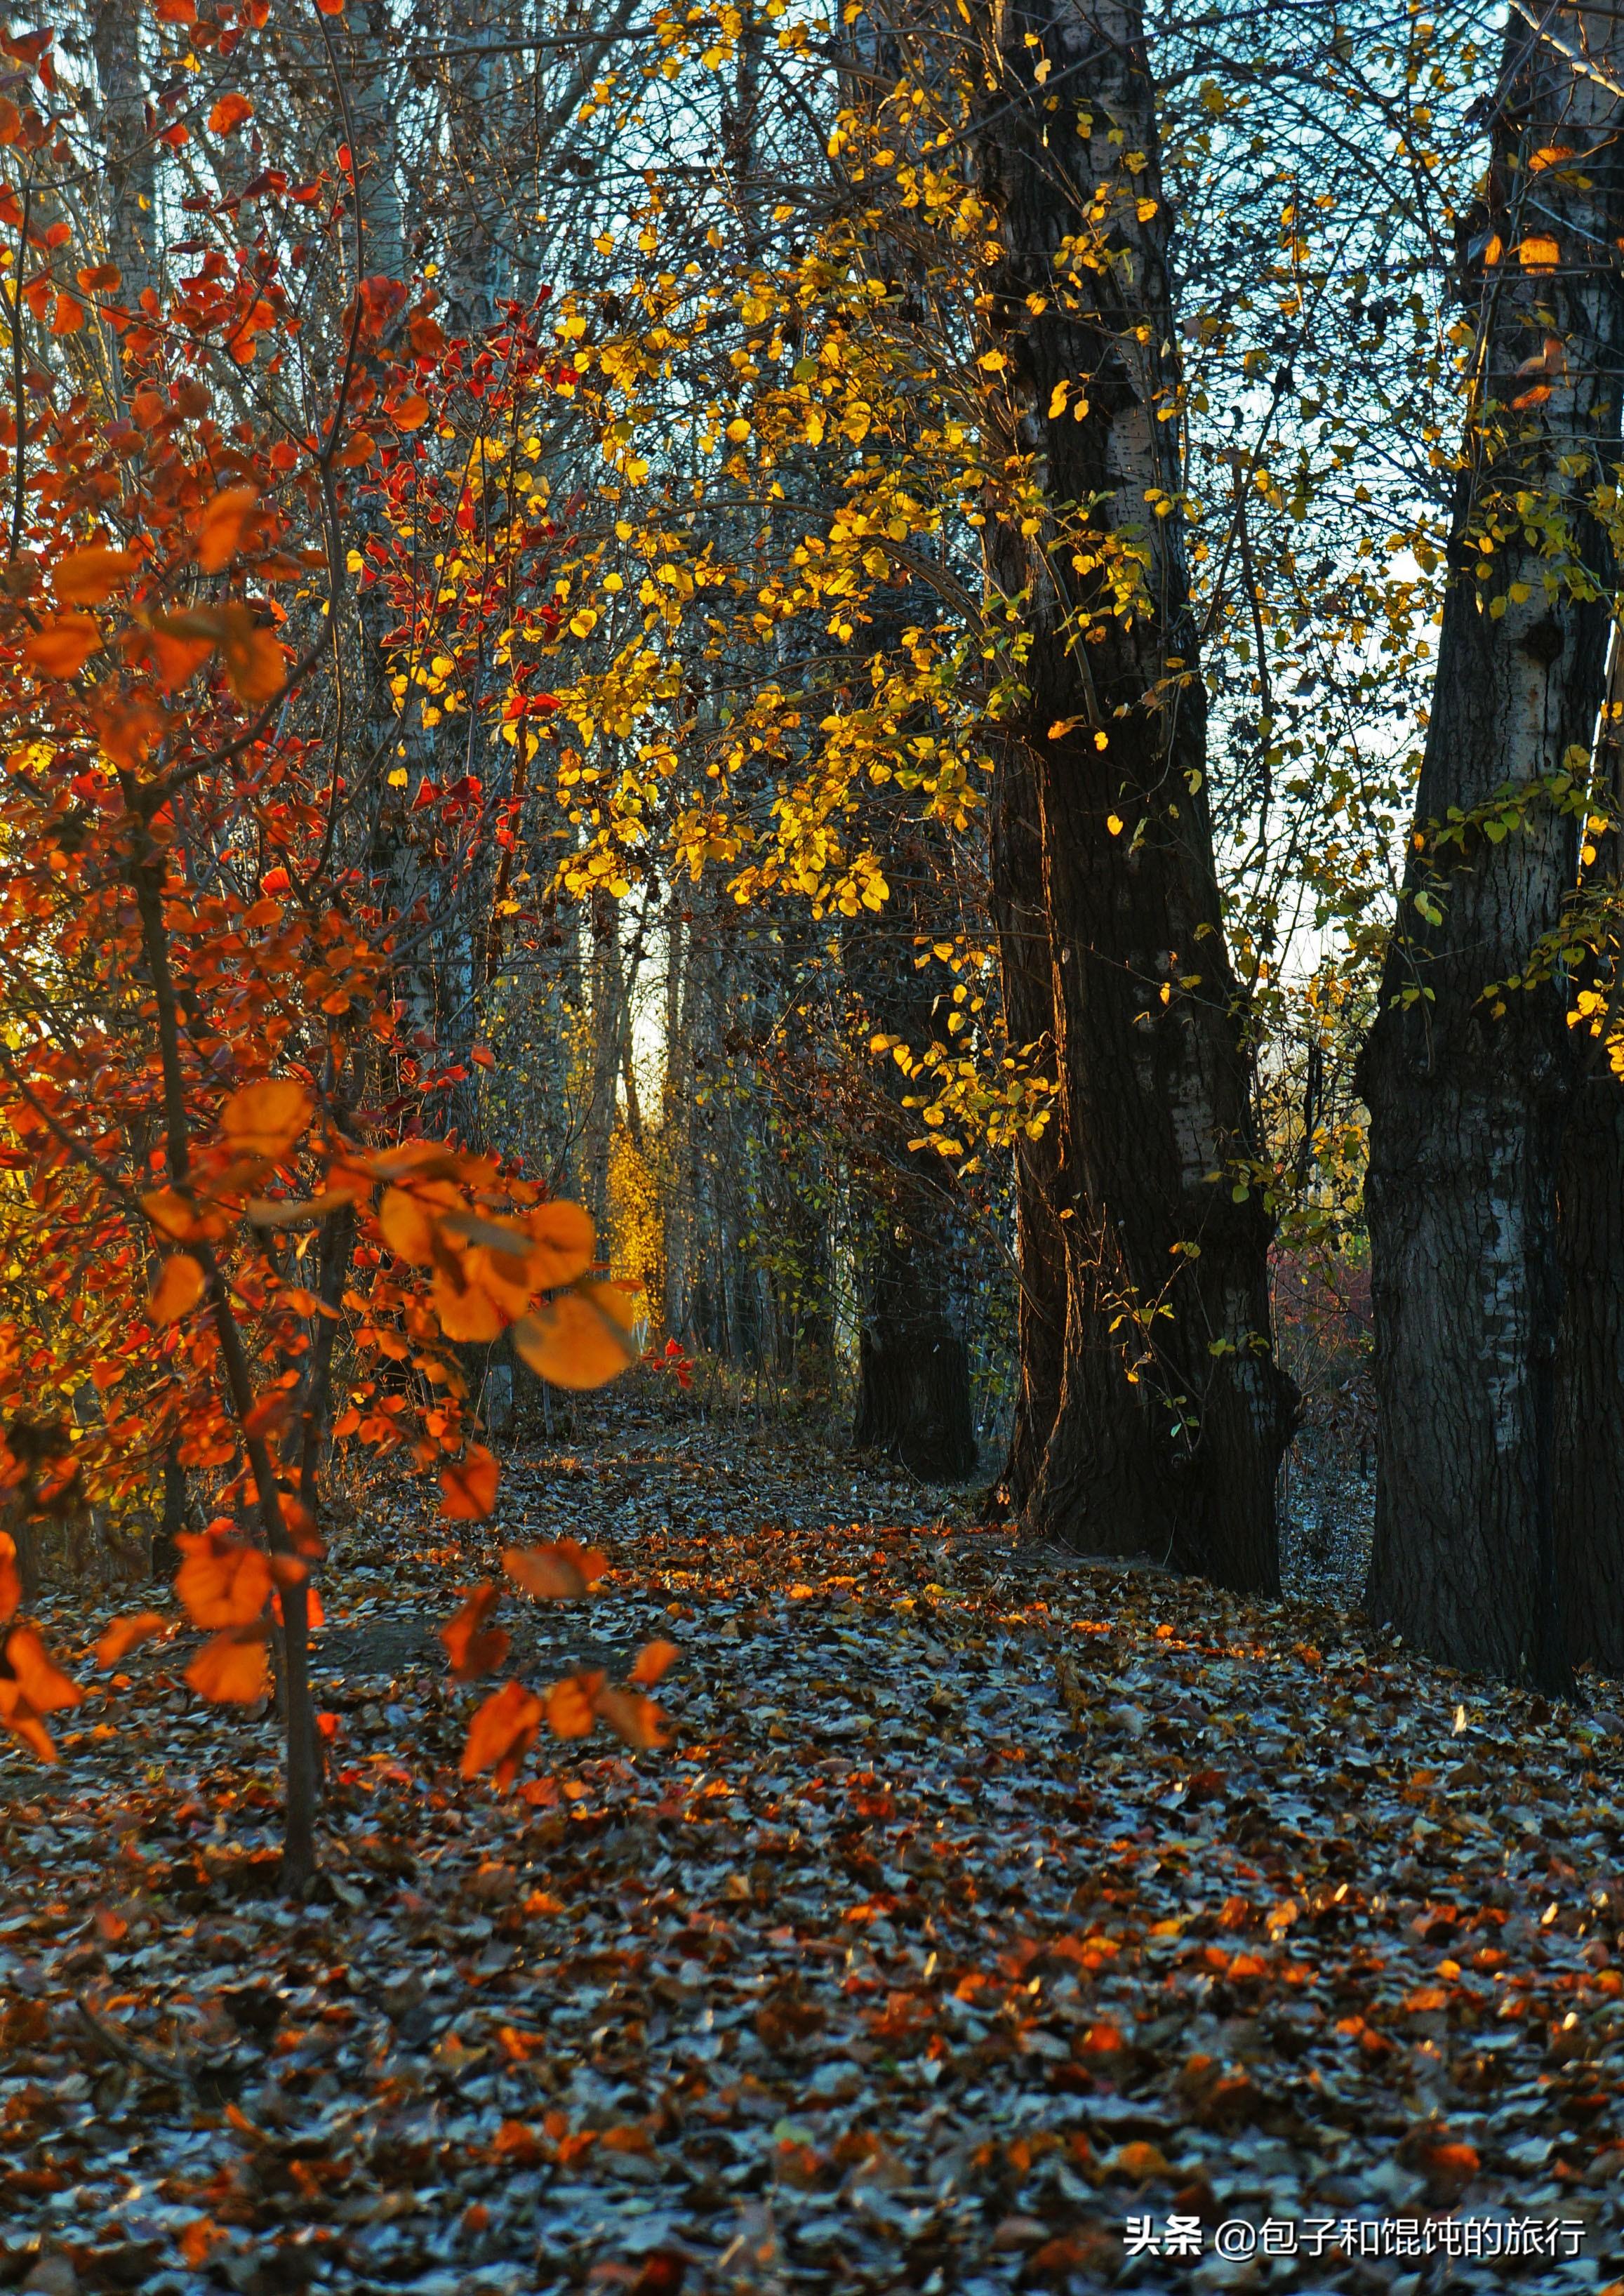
{"x":238,"y":1235}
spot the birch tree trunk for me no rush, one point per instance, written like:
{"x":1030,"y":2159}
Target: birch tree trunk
{"x":1469,"y":1092}
{"x":1173,"y":1415}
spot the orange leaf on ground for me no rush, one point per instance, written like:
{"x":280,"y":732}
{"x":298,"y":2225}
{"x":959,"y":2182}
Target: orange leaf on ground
{"x":501,"y":1733}
{"x":570,"y":1711}
{"x":474,"y":1648}
{"x":633,"y":1719}
{"x":125,"y":1634}
{"x":223,"y":525}
{"x":231,"y":1668}
{"x":63,"y":646}
{"x":10,"y":1581}
{"x":468,"y":1486}
{"x":223,"y":1582}
{"x":558,"y":1573}
{"x":178,"y":1289}
{"x":581,"y":1339}
{"x":653,"y":1659}
{"x":38,"y":1678}
{"x":266,"y":1119}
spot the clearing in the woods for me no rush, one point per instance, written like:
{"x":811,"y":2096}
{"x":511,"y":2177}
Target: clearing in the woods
{"x":987,"y":1912}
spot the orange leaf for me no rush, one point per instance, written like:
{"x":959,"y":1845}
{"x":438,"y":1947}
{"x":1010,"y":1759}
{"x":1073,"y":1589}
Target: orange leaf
{"x":255,"y":667}
{"x":228,"y":114}
{"x":180,"y":1217}
{"x":633,"y":1719}
{"x":62,"y":646}
{"x":329,"y":7}
{"x":40,"y":1680}
{"x":223,"y":1582}
{"x":231,"y":1668}
{"x":407,"y":1229}
{"x":266,"y":1119}
{"x":129,"y":729}
{"x":125,"y":1635}
{"x":19,"y":1717}
{"x":67,"y":314}
{"x":501,"y":1733}
{"x":1539,"y":252}
{"x":468,"y":1486}
{"x":88,"y":578}
{"x":10,"y":1582}
{"x":555,"y":1574}
{"x":178,"y":1289}
{"x":178,"y":655}
{"x":563,"y":1237}
{"x":474,"y":1648}
{"x":581,"y":1339}
{"x":222,"y":526}
{"x":466,"y":1310}
{"x":570,"y":1711}
{"x":652,"y":1660}
{"x":409,"y":414}
{"x":100,"y":279}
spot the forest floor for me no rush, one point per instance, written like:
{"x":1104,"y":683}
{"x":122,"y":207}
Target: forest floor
{"x":987,"y":1912}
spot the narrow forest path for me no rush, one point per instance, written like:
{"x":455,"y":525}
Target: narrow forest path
{"x":981,"y":1904}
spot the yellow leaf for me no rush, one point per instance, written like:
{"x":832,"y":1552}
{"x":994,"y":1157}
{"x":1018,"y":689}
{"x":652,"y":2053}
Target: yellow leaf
{"x":1539,"y":252}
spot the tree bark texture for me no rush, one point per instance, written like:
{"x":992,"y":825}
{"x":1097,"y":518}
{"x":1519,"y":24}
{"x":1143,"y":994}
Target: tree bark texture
{"x":1469,"y":1093}
{"x":1027,"y":971}
{"x":1588,"y":1504}
{"x":913,"y":1399}
{"x":1173,"y":1415}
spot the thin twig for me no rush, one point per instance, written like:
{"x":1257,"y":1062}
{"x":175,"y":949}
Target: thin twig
{"x":117,"y":2044}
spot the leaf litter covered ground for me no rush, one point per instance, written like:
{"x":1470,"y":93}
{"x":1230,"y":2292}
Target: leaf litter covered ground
{"x":983,"y":1902}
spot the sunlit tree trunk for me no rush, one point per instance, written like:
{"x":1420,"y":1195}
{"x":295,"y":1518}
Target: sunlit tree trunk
{"x":1172,"y":1415}
{"x":1468,"y":1091}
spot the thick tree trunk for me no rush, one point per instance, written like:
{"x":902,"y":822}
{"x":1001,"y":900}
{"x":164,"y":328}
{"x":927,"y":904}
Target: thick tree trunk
{"x":1027,"y":985}
{"x":1468,"y":1093}
{"x":1588,"y":1504}
{"x":914,"y":1400}
{"x":1173,"y":1415}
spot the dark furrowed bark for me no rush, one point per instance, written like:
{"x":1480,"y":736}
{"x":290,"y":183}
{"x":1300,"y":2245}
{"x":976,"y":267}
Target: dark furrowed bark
{"x":1588,"y":1504}
{"x":1041,"y":1177}
{"x":1469,"y":1093}
{"x":1173,"y":1415}
{"x":913,"y":1399}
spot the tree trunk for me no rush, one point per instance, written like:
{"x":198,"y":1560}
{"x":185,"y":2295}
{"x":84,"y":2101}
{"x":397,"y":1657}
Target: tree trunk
{"x":1026,"y":972}
{"x":1468,"y":1093}
{"x":1588,"y":1504}
{"x":1173,"y":1415}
